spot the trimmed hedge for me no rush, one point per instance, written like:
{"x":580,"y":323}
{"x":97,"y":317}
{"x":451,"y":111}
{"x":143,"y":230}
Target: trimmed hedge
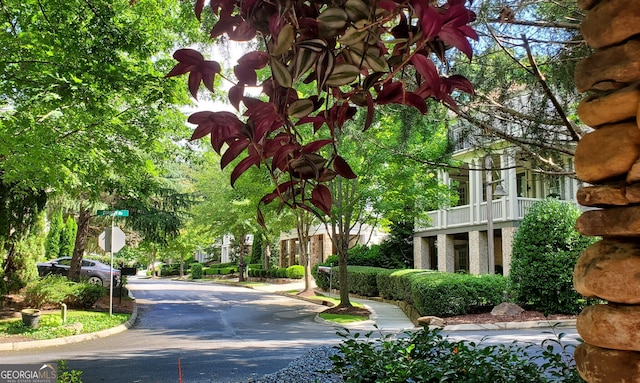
{"x":220,"y":270}
{"x":429,"y":292}
{"x":447,"y":294}
{"x":362,"y":280}
{"x":293,"y":272}
{"x":397,"y":284}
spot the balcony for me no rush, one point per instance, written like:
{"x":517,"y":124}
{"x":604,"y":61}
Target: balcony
{"x":469,"y":215}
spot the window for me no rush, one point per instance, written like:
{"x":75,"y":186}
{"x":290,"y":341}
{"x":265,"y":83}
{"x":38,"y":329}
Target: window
{"x":462,"y":258}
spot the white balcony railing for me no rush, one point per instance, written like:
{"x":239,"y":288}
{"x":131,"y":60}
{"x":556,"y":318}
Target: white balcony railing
{"x":468,"y":215}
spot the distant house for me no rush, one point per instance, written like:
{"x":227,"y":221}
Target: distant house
{"x":226,"y":251}
{"x":456,"y":238}
{"x":320,"y":244}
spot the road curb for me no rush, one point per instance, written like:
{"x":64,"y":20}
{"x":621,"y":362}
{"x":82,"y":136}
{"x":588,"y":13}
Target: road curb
{"x":501,"y":326}
{"x":16,"y":346}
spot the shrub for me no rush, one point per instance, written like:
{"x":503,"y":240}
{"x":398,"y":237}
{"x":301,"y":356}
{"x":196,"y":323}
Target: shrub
{"x":170,"y":270}
{"x":282,"y":272}
{"x":427,"y":356}
{"x":322,"y":279}
{"x":397,"y":284}
{"x":254,"y":266}
{"x":196,"y":271}
{"x":295,"y":272}
{"x":545,"y":250}
{"x":447,"y":294}
{"x":50,"y":290}
{"x":361,"y":255}
{"x":362,"y":280}
{"x":85,"y":295}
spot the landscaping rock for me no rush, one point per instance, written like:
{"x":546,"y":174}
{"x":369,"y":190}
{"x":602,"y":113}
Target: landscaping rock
{"x":508,"y":309}
{"x":601,"y":365}
{"x":612,"y":222}
{"x":610,"y":22}
{"x":632,"y":192}
{"x":610,"y":326}
{"x":634,"y":173}
{"x":430,"y":320}
{"x":610,"y":269}
{"x":607,"y":153}
{"x":610,"y":108}
{"x":608,"y":69}
{"x":602,"y":195}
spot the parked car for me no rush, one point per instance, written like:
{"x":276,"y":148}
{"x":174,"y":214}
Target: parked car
{"x":91,"y":270}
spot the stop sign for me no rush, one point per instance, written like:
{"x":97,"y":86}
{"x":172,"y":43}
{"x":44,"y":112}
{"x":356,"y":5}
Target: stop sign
{"x":112,"y":239}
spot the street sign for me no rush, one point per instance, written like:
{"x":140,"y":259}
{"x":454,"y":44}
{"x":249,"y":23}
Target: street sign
{"x":109,"y":244}
{"x":114,"y":213}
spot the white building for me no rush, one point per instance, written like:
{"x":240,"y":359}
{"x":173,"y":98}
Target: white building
{"x":457,"y":237}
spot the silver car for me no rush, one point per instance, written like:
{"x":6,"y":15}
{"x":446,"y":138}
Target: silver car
{"x":91,"y":270}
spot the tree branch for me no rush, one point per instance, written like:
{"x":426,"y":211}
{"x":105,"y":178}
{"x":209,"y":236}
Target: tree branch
{"x":573,"y":130}
{"x":539,"y":24}
{"x":510,"y":138}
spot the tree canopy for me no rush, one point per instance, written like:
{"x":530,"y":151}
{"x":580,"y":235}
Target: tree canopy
{"x":83,"y":103}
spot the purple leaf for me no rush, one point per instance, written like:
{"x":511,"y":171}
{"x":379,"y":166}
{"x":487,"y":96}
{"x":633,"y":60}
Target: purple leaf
{"x":254,"y":60}
{"x":342,"y":168}
{"x":242,"y":167}
{"x":233,"y":151}
{"x":321,"y":198}
{"x":314,"y":146}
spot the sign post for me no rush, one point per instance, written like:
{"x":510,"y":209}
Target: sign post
{"x":112,"y":240}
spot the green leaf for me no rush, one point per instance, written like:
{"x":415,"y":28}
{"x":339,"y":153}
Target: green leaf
{"x":281,"y":73}
{"x":343,"y":74}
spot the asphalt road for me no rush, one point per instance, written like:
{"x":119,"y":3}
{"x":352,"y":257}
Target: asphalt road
{"x":218,"y":333}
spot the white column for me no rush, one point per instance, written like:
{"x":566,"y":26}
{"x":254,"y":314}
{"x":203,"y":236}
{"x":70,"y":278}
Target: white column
{"x":511,"y":184}
{"x":473,"y":175}
{"x":476,"y":189}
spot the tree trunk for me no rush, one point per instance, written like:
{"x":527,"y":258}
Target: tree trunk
{"x":267,"y":255}
{"x":8,"y":265}
{"x":342,"y":276}
{"x":80,"y":244}
{"x":303,"y":223}
{"x":154,"y":255}
{"x":241,"y":266}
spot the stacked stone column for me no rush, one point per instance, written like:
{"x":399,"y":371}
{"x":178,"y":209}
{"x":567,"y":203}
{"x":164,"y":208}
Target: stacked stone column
{"x":609,"y":159}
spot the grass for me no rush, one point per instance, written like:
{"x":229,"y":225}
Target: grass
{"x":51,"y":326}
{"x":342,"y":318}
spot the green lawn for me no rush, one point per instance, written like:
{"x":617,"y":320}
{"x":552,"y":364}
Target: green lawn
{"x":51,"y":326}
{"x":342,"y":318}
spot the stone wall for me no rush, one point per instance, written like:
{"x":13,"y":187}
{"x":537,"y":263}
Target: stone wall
{"x":608,"y":159}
